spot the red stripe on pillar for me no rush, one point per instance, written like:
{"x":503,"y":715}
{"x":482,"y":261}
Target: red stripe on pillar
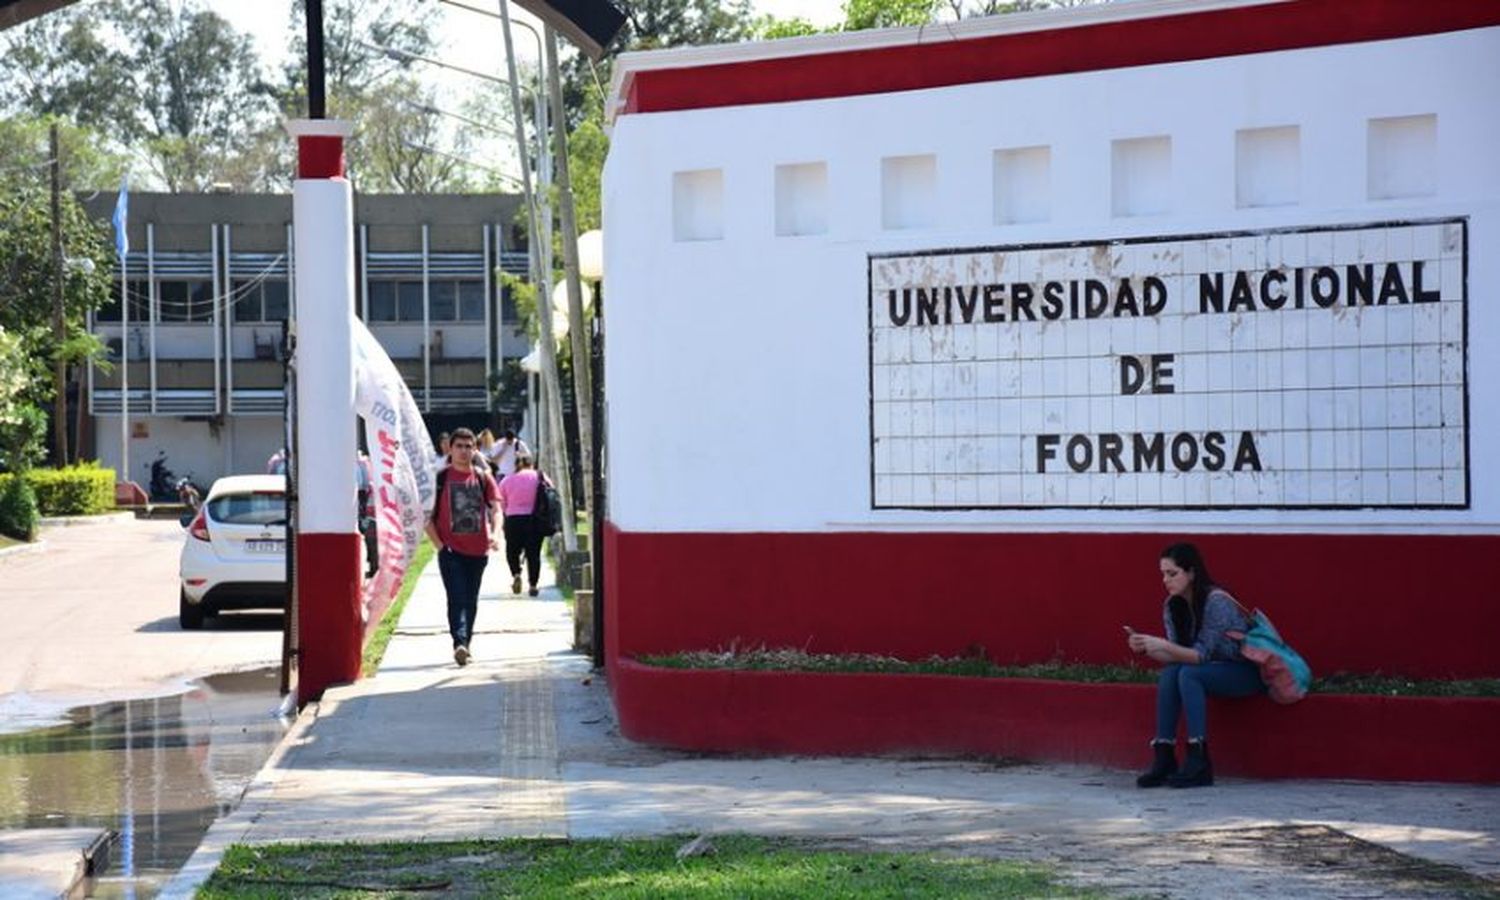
{"x":1085,"y":48}
{"x":320,"y":156}
{"x":329,"y":621}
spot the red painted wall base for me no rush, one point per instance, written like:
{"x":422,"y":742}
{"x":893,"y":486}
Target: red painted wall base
{"x":330,"y":625}
{"x":1324,"y":736}
{"x":1420,"y":605}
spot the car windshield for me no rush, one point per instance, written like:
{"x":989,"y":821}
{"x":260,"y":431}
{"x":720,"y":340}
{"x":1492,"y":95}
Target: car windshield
{"x":260,"y":508}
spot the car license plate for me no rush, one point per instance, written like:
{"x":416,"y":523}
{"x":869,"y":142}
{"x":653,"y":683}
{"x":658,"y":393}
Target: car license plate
{"x":265,"y":546}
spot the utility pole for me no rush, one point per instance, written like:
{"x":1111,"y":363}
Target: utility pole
{"x":59,"y":321}
{"x":583,"y":393}
{"x":551,"y":397}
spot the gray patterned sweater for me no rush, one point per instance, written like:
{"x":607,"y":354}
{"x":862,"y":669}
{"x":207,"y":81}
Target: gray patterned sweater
{"x":1220,"y":614}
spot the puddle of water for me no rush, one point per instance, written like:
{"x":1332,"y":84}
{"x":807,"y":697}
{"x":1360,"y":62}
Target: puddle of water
{"x":156,"y":771}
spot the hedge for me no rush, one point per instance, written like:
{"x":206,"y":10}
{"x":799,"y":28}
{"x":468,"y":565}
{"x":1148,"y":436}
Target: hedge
{"x":81,"y":490}
{"x":17,"y":509}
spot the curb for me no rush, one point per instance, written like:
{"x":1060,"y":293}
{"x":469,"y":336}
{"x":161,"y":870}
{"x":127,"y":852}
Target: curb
{"x":22,"y":550}
{"x":231,"y":828}
{"x":101,"y":519}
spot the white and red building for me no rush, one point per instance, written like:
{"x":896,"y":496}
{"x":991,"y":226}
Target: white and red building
{"x":924,"y":340}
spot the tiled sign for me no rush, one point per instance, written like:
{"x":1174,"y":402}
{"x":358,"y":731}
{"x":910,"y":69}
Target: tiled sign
{"x":1320,"y":367}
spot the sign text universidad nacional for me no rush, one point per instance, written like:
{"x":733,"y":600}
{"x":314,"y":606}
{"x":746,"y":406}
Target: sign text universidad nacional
{"x":1297,"y":368}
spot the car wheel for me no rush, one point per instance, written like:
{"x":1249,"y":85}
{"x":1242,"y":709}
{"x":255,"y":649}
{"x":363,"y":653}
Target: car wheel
{"x":189,"y":615}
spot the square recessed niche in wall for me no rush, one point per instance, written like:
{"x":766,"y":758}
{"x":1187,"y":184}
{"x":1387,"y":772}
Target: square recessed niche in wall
{"x":698,"y":205}
{"x":1141,"y":176}
{"x":908,"y":191}
{"x":1402,"y":157}
{"x":1267,"y":166}
{"x":802,"y":199}
{"x":1023,"y":185}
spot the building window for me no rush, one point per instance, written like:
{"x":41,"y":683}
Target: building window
{"x":449,"y":300}
{"x":470,"y":300}
{"x":185,"y":301}
{"x":266,"y":300}
{"x":443,"y":302}
{"x":382,"y":301}
{"x":409,"y":301}
{"x":138,"y":292}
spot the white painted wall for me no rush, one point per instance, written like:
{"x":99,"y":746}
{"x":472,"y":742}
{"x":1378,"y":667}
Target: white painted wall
{"x":240,"y":447}
{"x":738,"y":381}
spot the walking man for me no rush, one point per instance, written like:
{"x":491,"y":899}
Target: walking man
{"x":465,"y":526}
{"x":504,"y":454}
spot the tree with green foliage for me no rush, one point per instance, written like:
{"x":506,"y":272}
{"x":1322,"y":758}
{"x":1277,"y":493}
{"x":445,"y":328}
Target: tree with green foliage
{"x":176,"y":83}
{"x":862,"y":14}
{"x":27,"y":277}
{"x":402,"y":144}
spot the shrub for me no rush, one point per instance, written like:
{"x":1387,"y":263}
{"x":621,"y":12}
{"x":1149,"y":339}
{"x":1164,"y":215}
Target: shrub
{"x":18,"y":513}
{"x":81,"y":490}
{"x":23,"y":434}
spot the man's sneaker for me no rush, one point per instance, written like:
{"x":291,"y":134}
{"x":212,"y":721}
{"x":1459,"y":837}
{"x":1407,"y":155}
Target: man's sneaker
{"x":515,"y":585}
{"x":532,"y":592}
{"x":461,"y":655}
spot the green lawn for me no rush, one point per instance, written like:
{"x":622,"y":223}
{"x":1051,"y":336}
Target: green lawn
{"x":739,"y":867}
{"x":375,"y":650}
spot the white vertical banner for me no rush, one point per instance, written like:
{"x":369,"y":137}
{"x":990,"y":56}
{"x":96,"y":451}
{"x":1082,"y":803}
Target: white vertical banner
{"x":403,"y":481}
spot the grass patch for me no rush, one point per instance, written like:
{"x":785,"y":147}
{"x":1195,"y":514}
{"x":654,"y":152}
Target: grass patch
{"x":375,"y":650}
{"x":8,"y":541}
{"x":976,"y":666}
{"x":738,"y":866}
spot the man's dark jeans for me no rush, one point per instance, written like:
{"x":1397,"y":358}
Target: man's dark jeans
{"x":461,"y":574}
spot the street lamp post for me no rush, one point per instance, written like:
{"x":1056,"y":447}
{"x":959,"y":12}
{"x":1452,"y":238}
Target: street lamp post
{"x":591,"y":267}
{"x":538,"y":238}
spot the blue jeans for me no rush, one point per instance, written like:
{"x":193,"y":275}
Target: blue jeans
{"x":1182,"y":690}
{"x":461,"y":574}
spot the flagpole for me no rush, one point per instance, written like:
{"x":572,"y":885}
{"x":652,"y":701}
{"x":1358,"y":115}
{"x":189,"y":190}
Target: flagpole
{"x":122,"y":250}
{"x":124,"y":378}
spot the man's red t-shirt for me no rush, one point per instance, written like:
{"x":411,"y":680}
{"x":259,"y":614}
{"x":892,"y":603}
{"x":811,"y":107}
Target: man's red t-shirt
{"x":463,"y":511}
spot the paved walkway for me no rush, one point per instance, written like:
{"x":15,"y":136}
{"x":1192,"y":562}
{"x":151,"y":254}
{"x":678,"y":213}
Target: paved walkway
{"x":523,"y":742}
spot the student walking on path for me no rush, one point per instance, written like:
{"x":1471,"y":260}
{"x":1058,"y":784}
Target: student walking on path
{"x":465,"y":526}
{"x":523,"y":533}
{"x":504,"y":453}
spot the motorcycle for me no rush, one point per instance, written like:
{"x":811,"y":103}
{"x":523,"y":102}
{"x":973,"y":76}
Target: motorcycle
{"x":167,"y":486}
{"x":189,"y":494}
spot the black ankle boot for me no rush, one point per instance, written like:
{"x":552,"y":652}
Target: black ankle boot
{"x":1197,"y":770}
{"x":1163,"y":765}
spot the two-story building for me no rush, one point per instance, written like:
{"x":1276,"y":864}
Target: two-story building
{"x":208,"y":289}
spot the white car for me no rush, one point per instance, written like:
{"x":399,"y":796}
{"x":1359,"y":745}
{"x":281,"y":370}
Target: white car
{"x":234,"y":553}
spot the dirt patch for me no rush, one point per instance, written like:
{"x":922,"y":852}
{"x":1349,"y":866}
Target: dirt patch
{"x":1279,"y":861}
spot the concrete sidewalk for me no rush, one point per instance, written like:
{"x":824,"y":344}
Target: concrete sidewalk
{"x":523,"y":742}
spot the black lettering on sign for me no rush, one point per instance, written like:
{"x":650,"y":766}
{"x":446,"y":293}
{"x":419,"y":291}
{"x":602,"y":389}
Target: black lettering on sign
{"x":1417,"y":293}
{"x":899,"y":315}
{"x":1046,"y":449}
{"x":1148,"y":452}
{"x":927,"y":312}
{"x":1133,"y":371}
{"x":994,"y":303}
{"x":967,"y":304}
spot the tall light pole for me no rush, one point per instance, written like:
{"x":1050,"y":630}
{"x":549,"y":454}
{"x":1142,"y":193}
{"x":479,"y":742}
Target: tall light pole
{"x":538,"y":246}
{"x":538,"y":237}
{"x":583,"y":391}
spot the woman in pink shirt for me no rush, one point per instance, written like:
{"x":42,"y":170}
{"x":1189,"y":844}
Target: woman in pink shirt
{"x":518,"y":497}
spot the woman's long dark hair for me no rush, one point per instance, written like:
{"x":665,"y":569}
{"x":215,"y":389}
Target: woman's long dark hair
{"x":1187,"y":616}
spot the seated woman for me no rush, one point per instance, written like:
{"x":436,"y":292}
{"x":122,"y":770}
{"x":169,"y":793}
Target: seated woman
{"x":1200,"y":658}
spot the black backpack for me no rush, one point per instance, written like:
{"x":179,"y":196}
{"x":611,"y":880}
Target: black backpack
{"x":546,"y":512}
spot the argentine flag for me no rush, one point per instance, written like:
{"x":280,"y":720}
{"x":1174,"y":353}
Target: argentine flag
{"x":122,"y":214}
